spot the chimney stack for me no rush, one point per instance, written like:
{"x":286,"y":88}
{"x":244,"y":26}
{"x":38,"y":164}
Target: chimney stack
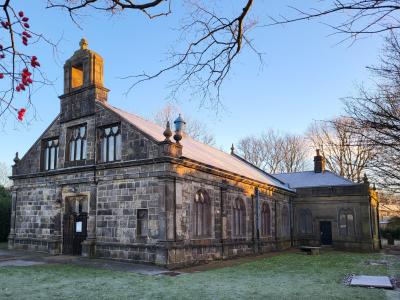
{"x":319,"y":163}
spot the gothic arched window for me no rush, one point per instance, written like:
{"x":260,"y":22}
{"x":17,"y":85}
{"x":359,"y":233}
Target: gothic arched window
{"x":77,"y":143}
{"x":110,"y":145}
{"x":265,"y":220}
{"x":202,"y":214}
{"x":50,"y":154}
{"x":238,"y":218}
{"x":305,"y":221}
{"x":346,"y":222}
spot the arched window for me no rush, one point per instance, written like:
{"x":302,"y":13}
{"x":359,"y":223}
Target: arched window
{"x":110,"y":143}
{"x":346,"y":222}
{"x":77,"y":143}
{"x":305,"y":221}
{"x":238,"y":218}
{"x":265,"y":220}
{"x":202,"y":214}
{"x":285,"y":221}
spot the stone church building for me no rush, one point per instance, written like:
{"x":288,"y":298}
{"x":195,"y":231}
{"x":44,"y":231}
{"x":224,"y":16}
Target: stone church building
{"x":102,"y":182}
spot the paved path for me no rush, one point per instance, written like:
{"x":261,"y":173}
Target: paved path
{"x":27,"y":258}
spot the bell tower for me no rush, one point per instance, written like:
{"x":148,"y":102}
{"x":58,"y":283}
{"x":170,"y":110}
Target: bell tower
{"x":83,"y":83}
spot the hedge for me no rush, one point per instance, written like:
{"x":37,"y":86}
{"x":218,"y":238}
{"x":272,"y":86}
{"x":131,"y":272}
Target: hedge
{"x":5,"y":213}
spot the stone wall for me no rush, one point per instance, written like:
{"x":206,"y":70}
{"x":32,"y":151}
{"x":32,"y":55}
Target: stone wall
{"x":325,"y":204}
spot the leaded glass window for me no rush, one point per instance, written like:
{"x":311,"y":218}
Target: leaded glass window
{"x":50,"y":154}
{"x":202,"y":214}
{"x":77,"y":148}
{"x":265,"y":220}
{"x":346,"y":222}
{"x":238,"y":218}
{"x":110,"y":143}
{"x":305,"y":221}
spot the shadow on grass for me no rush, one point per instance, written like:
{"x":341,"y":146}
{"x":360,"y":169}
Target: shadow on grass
{"x":286,"y":276}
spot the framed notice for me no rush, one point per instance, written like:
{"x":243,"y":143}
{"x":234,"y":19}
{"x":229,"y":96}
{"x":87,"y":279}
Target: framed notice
{"x":78,"y":226}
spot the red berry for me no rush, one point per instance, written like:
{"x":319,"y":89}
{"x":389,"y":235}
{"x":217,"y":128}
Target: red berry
{"x":34,"y":58}
{"x":21,"y":114}
{"x":21,"y":14}
{"x":30,"y":80}
{"x":1,"y":75}
{"x":26,"y":25}
{"x":17,"y":88}
{"x":25,"y":19}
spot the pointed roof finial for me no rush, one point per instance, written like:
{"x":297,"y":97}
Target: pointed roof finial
{"x":167,"y":132}
{"x":83,"y":43}
{"x":365,"y":179}
{"x":16,"y":158}
{"x":232,"y":149}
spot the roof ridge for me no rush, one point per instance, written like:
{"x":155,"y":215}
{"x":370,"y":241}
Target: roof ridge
{"x":258,"y":168}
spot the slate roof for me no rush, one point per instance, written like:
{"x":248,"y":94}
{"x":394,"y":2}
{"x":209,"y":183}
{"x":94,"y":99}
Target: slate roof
{"x":312,"y":179}
{"x":200,"y":152}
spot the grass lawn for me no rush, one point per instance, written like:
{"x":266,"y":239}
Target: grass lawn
{"x":286,"y":276}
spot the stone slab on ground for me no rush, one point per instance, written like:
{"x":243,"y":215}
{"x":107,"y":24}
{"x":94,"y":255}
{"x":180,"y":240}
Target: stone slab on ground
{"x":372,"y":281}
{"x":19,"y":263}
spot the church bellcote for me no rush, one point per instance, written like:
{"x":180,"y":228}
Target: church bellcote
{"x":83,"y":83}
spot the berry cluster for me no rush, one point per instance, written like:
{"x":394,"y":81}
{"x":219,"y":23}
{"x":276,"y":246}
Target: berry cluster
{"x":21,"y":114}
{"x":34,"y":62}
{"x":25,"y":35}
{"x":26,"y":80}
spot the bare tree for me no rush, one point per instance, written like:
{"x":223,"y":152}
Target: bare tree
{"x":274,"y":152}
{"x":194,"y":128}
{"x":210,"y":39}
{"x":346,"y":152}
{"x":354,"y":18}
{"x":376,"y":115}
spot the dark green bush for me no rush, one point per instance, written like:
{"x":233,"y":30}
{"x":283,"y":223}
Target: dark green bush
{"x":5,"y":213}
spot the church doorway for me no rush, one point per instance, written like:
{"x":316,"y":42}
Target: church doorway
{"x":74,"y":224}
{"x":326,"y":232}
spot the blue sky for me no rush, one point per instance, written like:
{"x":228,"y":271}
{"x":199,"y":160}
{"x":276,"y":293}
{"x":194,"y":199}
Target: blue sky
{"x":304,"y":77}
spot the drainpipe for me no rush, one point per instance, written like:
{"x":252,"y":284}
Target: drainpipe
{"x":379,"y":227}
{"x":14,"y":207}
{"x":257,"y":198}
{"x":221,"y":208}
{"x":276,"y":224}
{"x":290,"y":221}
{"x":370,"y":222}
{"x":175,"y":227}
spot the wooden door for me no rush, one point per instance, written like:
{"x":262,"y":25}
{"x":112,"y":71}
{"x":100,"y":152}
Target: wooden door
{"x":326,"y":232}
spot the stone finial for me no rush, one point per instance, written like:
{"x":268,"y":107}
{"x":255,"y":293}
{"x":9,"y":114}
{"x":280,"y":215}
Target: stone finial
{"x":180,"y":124}
{"x":167,"y":132}
{"x":16,"y":158}
{"x":83,"y":43}
{"x":232,"y":149}
{"x":179,"y":128}
{"x":178,"y":136}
